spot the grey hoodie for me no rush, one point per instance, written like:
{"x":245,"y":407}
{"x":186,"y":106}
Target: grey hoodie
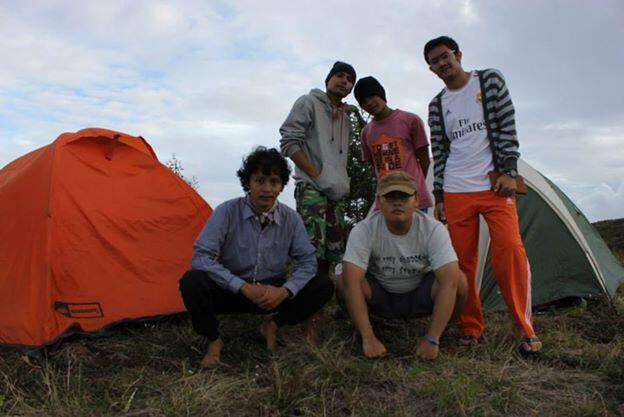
{"x":322,"y":133}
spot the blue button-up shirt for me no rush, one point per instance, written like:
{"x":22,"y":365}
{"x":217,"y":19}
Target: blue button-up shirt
{"x":234,"y":248}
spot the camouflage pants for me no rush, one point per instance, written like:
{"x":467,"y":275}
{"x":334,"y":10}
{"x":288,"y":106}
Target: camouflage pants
{"x":324,"y":221}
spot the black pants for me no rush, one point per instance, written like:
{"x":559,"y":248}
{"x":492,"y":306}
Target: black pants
{"x":204,"y":300}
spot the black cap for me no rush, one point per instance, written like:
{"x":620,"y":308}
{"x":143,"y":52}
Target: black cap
{"x":340,"y":66}
{"x":368,"y":86}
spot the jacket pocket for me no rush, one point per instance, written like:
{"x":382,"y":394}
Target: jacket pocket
{"x":332,"y":184}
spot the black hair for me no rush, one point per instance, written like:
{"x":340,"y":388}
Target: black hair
{"x":442,"y":40}
{"x":267,"y":161}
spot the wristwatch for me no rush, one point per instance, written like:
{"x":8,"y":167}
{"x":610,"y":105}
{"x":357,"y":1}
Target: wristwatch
{"x":512,"y":173}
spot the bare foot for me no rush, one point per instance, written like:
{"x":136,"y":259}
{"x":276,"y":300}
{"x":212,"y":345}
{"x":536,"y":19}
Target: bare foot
{"x":310,"y":330}
{"x":372,"y":347}
{"x":268,"y":328}
{"x":213,"y":354}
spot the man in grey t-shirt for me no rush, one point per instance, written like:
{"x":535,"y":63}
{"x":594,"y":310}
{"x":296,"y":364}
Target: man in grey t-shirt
{"x":399,"y":263}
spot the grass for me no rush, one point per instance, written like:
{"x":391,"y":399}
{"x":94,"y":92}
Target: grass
{"x":612,"y":231}
{"x":151,"y":369}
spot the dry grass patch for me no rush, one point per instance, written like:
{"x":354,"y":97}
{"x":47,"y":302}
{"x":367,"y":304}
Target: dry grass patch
{"x":152,"y":370}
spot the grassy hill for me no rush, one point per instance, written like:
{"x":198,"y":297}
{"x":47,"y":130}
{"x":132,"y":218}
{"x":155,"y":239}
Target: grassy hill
{"x":612,"y":231}
{"x":150,"y":369}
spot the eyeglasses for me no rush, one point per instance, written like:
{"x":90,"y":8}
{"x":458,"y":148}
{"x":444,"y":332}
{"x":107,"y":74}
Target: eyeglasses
{"x":442,"y":57}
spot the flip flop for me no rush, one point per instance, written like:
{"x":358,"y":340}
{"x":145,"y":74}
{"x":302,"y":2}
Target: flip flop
{"x":468,"y":340}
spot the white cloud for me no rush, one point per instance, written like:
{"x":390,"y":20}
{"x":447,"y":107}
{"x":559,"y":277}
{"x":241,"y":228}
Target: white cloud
{"x":602,"y":201}
{"x":469,"y":12}
{"x":210,"y":80}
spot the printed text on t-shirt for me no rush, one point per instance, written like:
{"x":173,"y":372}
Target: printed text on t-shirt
{"x":413,"y":265}
{"x":387,"y":154}
{"x":466,"y":127}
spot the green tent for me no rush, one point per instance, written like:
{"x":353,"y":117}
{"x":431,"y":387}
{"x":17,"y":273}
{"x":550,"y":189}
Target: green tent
{"x":567,"y":255}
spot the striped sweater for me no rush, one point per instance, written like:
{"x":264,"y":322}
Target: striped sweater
{"x":499,"y":115}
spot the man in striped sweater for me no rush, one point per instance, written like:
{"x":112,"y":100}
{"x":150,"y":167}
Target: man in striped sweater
{"x":473,"y":133}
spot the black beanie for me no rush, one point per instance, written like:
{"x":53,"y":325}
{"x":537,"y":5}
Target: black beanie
{"x":366,"y":87}
{"x":340,"y":66}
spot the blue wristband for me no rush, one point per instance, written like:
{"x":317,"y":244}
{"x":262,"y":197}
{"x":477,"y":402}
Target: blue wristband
{"x":431,"y":340}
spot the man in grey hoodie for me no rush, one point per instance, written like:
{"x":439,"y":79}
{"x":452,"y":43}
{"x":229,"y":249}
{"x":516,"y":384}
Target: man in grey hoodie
{"x":315,"y":135}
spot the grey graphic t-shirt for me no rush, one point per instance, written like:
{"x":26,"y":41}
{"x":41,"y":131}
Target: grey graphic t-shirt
{"x":399,"y":262}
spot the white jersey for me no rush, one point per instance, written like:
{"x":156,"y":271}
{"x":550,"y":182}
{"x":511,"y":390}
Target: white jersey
{"x":470,"y":156}
{"x":399,"y":262}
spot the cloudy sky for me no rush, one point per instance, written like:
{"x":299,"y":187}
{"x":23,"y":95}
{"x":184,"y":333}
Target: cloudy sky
{"x":209,"y":80}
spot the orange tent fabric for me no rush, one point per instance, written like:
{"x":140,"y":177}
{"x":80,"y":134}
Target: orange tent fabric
{"x":93,"y":230}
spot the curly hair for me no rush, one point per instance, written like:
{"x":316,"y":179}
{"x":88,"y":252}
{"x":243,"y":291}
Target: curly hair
{"x":267,"y":161}
{"x":442,"y":40}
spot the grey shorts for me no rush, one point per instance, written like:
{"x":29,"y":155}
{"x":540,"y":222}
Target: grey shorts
{"x":416,"y":303}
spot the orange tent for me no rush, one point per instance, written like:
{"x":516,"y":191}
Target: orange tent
{"x":93,"y":230}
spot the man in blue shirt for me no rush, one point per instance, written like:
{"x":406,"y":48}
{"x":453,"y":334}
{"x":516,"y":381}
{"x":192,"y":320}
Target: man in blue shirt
{"x":239,"y":262}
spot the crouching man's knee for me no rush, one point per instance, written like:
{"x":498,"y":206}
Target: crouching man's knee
{"x":325,"y":288}
{"x":321,"y":288}
{"x":191,"y":282}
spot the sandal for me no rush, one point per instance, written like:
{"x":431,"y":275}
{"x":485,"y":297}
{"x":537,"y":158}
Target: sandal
{"x":469,"y":340}
{"x":530,"y":346}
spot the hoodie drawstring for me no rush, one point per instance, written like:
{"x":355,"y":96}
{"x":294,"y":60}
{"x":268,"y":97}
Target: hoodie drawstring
{"x":335,"y":111}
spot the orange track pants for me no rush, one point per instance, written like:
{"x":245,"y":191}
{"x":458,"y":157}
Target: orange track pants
{"x":509,"y":261}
